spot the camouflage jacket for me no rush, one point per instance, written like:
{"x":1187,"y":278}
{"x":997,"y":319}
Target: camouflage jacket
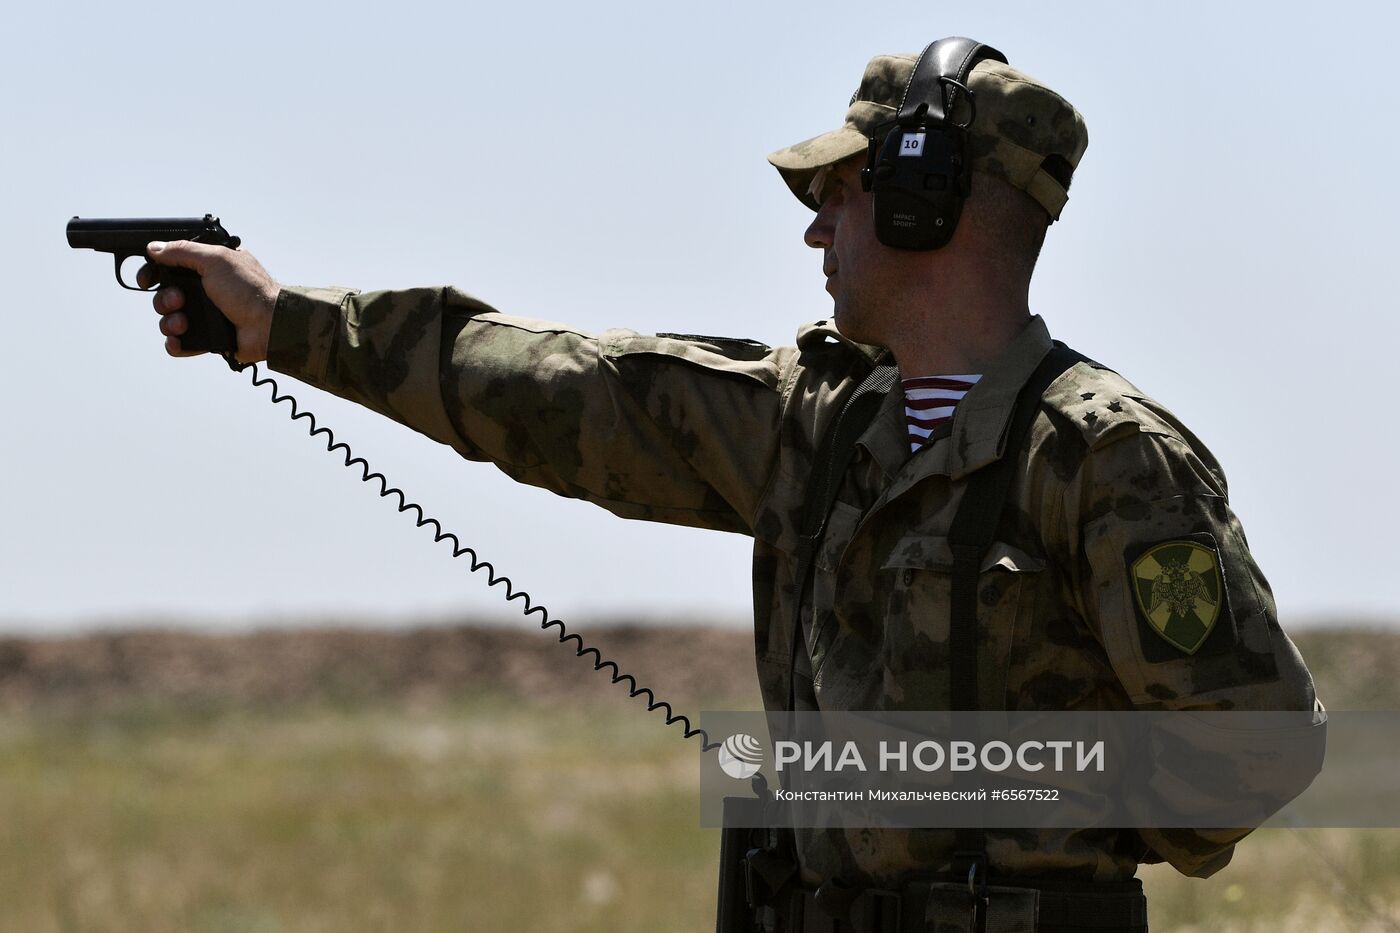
{"x":720,"y":434}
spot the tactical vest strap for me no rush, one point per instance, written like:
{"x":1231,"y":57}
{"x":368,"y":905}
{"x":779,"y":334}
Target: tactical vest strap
{"x":975,"y":526}
{"x":973,"y":530}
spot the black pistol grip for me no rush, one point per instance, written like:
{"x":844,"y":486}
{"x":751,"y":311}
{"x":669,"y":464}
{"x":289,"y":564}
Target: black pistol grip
{"x":207,"y":329}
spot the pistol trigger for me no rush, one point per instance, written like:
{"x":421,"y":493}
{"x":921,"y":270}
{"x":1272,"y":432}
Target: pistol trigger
{"x":121,"y":258}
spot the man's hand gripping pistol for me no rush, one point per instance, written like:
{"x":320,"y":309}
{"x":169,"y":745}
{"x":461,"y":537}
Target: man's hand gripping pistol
{"x":213,"y":297}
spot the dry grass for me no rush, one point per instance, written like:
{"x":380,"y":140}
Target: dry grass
{"x":346,"y":782}
{"x":480,"y":815}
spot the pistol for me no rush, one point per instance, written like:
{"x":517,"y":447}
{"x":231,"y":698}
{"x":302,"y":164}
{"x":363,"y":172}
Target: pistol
{"x":126,"y":238}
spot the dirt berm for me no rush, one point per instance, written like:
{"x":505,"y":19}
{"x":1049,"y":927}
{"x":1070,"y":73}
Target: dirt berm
{"x":686,"y":664}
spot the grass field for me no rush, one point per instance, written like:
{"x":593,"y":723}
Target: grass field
{"x":332,"y":808}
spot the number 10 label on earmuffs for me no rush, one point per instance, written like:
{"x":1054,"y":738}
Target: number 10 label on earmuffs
{"x":912,"y":145}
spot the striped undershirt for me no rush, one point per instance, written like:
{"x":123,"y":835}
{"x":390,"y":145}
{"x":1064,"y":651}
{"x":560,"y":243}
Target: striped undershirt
{"x":929,"y":401}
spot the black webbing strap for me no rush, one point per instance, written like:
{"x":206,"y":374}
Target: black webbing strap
{"x":831,"y":461}
{"x":973,"y":530}
{"x":975,"y":526}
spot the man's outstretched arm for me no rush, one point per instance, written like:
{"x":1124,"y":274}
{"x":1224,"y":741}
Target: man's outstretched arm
{"x":681,"y":430}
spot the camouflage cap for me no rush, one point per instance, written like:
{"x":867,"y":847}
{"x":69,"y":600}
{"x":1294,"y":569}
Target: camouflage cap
{"x":1024,"y":132}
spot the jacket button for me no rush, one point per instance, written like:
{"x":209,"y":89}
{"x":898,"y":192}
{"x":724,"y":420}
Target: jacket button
{"x":908,"y":576}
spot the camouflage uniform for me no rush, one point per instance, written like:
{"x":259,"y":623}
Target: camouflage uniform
{"x":721,"y":434}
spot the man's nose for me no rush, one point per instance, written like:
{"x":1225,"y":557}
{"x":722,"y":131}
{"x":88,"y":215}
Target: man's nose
{"x":819,"y":231}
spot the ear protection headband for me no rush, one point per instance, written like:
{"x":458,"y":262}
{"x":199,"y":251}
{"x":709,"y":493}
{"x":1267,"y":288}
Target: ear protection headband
{"x":919,"y":174}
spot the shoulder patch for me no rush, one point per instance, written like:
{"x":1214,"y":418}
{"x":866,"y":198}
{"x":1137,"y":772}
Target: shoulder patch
{"x":1179,"y":591}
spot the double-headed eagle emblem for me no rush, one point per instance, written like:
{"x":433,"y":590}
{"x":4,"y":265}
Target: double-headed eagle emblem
{"x":1177,"y":586}
{"x":1180,"y":587}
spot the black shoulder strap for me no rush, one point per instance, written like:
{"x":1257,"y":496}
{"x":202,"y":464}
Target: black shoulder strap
{"x":974,"y":528}
{"x":829,"y":467}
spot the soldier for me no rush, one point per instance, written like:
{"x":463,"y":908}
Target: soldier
{"x":1113,"y":574}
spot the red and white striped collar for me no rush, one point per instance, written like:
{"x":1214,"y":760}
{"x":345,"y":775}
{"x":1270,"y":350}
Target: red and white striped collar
{"x":929,"y":402}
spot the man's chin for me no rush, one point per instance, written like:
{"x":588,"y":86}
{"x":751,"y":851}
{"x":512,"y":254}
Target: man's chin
{"x":849,"y":324}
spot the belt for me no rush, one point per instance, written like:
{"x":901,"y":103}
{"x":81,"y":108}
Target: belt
{"x":947,"y":906}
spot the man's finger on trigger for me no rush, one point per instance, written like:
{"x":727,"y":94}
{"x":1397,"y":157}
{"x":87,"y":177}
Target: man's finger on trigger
{"x":147,"y":275}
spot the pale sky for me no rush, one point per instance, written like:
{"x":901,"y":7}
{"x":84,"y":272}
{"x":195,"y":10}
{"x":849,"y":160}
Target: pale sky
{"x":1228,"y":246}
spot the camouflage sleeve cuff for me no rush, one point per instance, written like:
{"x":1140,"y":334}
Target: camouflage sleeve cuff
{"x":305,"y":322}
